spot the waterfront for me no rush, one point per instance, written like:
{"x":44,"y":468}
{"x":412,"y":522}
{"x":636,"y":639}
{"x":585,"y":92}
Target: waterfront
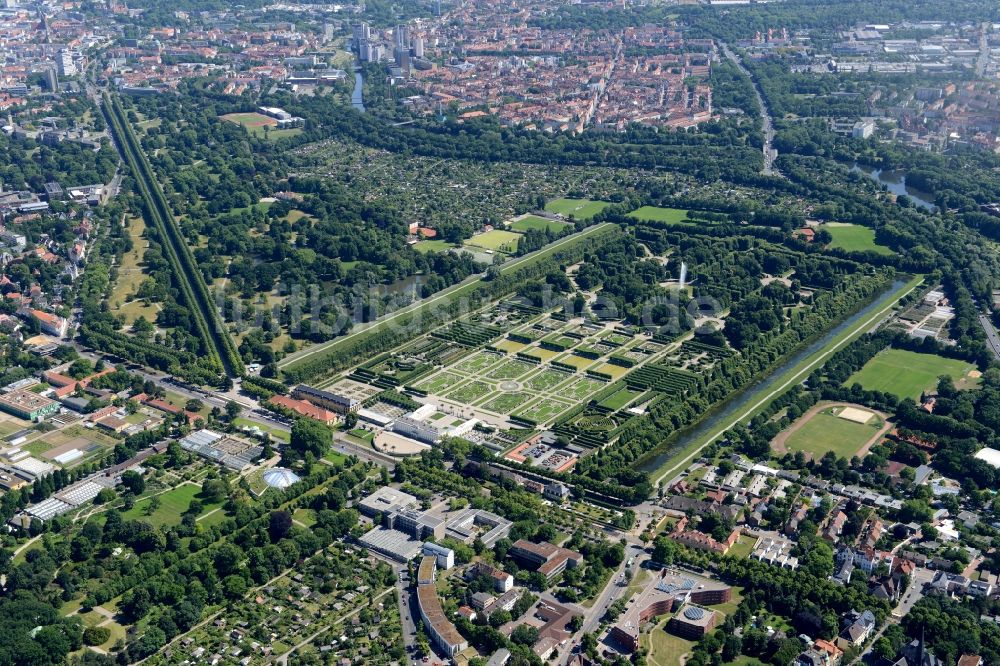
{"x":895,"y":181}
{"x":357,"y":97}
{"x":742,"y":404}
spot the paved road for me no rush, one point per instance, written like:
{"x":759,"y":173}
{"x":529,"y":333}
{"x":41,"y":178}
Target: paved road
{"x":442,"y":295}
{"x":765,"y":113}
{"x":408,"y":612}
{"x":984,"y":49}
{"x":992,"y":339}
{"x":251,"y":411}
{"x":342,"y":444}
{"x":913,"y":594}
{"x":611,"y":593}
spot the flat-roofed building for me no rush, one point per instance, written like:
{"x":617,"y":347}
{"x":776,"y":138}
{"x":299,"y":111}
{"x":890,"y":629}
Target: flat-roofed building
{"x":693,"y":622}
{"x":440,"y":629}
{"x":663,"y":595}
{"x":386,"y":500}
{"x":420,"y":524}
{"x":776,"y":551}
{"x":426,"y":570}
{"x":422,"y":431}
{"x":467,"y":525}
{"x":28,"y":405}
{"x":11,"y":481}
{"x":394,"y":544}
{"x":445,"y":556}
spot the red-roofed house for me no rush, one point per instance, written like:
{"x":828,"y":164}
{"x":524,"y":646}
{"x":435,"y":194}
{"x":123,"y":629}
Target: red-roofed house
{"x":305,"y":408}
{"x":50,"y":323}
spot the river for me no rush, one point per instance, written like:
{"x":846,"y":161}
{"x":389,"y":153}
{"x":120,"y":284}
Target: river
{"x":895,"y":182}
{"x":357,"y":97}
{"x":744,"y":398}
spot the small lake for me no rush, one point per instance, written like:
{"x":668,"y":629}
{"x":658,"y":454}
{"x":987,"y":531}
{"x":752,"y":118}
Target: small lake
{"x":357,"y":97}
{"x":742,"y":399}
{"x":895,"y":181}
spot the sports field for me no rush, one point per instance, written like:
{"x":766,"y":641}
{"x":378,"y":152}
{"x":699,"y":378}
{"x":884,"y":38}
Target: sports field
{"x":854,"y":238}
{"x":249,"y":120}
{"x":656,"y":214}
{"x":907,"y":374}
{"x":426,"y":246}
{"x":535,"y":222}
{"x":825,"y":431}
{"x":581,"y":209}
{"x":256,"y":122}
{"x":498,"y":239}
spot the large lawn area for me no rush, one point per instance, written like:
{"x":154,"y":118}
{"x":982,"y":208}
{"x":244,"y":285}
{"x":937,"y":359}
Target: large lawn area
{"x":656,"y":214}
{"x":426,"y":246}
{"x":276,"y":433}
{"x":620,"y":398}
{"x":907,"y":374}
{"x":665,"y":649}
{"x":535,"y":222}
{"x":256,"y":122}
{"x":498,"y":239}
{"x":581,"y":209}
{"x":854,"y":238}
{"x":131,"y":276}
{"x":827,"y":432}
{"x":173,"y":503}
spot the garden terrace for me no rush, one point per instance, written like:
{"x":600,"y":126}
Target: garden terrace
{"x":469,"y":334}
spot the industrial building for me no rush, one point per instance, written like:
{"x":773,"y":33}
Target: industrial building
{"x":394,"y":544}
